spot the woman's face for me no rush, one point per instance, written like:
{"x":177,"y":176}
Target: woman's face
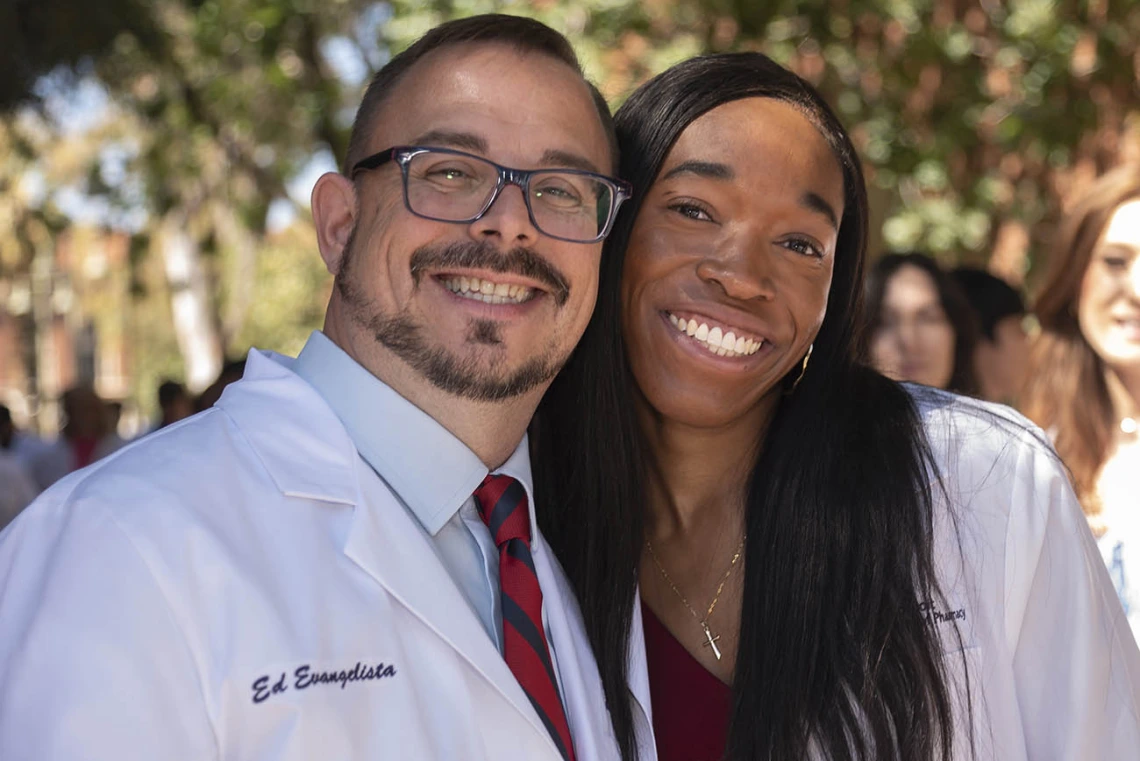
{"x":729,"y":262}
{"x":1109,"y":306}
{"x":914,"y":340}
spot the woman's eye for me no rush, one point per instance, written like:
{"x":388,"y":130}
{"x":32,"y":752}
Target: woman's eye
{"x":1115,"y":262}
{"x":691,"y":210}
{"x":803,"y":246}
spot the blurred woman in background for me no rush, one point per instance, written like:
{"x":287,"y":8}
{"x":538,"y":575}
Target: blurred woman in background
{"x":1084,"y":379}
{"x":922,"y":328}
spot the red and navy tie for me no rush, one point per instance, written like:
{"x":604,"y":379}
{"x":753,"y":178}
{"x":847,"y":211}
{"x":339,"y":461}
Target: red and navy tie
{"x":502,"y":504}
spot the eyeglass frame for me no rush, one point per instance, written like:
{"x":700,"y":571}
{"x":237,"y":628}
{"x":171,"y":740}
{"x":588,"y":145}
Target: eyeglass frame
{"x":620,"y":190}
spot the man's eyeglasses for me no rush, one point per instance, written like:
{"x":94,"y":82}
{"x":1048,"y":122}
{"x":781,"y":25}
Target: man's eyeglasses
{"x":451,"y":186}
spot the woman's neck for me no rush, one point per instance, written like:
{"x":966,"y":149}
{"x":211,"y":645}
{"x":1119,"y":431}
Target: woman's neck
{"x":1124,"y":390}
{"x":699,"y":476}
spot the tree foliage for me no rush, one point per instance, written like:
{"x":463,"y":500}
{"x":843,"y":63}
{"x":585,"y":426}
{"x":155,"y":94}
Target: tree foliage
{"x":975,"y":118}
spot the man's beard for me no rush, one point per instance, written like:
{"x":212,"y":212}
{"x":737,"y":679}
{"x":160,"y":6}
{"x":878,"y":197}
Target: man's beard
{"x":466,"y":377}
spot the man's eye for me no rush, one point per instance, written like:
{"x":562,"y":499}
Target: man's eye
{"x":448,"y":173}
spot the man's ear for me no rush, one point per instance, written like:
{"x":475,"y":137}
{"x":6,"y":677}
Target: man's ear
{"x":334,"y":215}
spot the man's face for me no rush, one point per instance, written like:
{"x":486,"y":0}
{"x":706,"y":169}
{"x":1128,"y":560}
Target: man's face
{"x":412,"y":287}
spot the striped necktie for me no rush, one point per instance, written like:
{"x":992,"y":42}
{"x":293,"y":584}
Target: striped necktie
{"x":503,"y":506}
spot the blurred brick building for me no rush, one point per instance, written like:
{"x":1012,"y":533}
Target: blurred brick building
{"x":64,"y":321}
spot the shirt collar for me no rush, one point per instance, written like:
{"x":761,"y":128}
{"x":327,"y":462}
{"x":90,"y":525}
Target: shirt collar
{"x":431,"y":470}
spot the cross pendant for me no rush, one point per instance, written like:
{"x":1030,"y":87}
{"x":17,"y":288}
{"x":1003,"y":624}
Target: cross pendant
{"x":711,"y":640}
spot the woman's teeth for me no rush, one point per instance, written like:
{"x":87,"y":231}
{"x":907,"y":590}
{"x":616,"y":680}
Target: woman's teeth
{"x":721,"y":342}
{"x":487,"y":291}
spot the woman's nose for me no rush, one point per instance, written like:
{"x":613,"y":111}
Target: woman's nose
{"x":741,"y":271}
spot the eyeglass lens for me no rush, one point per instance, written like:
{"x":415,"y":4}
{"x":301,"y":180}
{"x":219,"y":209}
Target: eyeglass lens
{"x":454,"y":188}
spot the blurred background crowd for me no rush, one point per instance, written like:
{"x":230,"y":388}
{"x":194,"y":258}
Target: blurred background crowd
{"x":156,"y":158}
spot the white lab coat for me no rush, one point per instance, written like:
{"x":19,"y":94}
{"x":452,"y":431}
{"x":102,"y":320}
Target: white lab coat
{"x":1053,"y":669}
{"x":56,"y":459}
{"x":175,"y":600}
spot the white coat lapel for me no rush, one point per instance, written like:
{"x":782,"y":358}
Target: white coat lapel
{"x":387,"y":544}
{"x":582,"y":691}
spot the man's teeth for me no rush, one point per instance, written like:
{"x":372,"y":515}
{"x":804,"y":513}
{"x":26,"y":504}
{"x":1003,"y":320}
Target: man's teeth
{"x":486,"y":291}
{"x":721,"y":342}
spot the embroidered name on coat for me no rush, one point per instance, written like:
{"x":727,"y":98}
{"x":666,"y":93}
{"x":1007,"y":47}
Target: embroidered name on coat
{"x":305,"y":676}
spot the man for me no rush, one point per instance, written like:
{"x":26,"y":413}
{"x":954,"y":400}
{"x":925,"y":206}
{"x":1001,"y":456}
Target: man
{"x":1001,"y":355}
{"x":339,"y":559}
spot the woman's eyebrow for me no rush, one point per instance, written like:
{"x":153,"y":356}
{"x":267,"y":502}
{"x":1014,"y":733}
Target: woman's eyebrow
{"x":709,"y":169}
{"x":815,"y":202}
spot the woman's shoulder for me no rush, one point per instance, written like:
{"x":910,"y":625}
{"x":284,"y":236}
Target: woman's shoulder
{"x":962,"y":425}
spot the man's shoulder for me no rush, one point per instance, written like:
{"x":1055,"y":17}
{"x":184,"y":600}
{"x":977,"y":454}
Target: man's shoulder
{"x":159,"y":471}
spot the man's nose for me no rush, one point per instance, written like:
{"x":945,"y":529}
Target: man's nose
{"x":507,"y":222}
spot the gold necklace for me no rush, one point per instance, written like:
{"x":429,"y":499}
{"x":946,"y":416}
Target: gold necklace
{"x":703,"y":622}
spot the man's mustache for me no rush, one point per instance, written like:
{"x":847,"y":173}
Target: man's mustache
{"x":471,"y":255}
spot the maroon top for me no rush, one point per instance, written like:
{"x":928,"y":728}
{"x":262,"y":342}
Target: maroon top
{"x":690,"y":706}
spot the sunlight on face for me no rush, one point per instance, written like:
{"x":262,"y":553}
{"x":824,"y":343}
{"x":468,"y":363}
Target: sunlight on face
{"x":729,"y":264}
{"x":1109,"y":307}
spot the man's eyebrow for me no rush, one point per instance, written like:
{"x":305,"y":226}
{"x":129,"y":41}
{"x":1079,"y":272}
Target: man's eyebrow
{"x":466,"y":141}
{"x":709,"y":169}
{"x":567,"y":160}
{"x":816,"y":203}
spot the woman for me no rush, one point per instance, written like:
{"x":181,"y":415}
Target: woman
{"x":1084,"y":382}
{"x":764,"y":567}
{"x":922,"y":329}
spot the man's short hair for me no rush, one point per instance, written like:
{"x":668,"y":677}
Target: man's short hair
{"x":522,"y":34}
{"x":991,"y":298}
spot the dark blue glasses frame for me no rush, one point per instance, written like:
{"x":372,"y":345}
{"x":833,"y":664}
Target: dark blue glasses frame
{"x":620,"y":191}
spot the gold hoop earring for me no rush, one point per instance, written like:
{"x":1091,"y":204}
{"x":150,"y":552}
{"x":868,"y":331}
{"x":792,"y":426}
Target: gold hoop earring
{"x":803,"y":369}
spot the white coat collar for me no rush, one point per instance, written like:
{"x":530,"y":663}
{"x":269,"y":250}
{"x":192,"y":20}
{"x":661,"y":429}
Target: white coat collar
{"x":301,"y":443}
{"x":401,"y":442}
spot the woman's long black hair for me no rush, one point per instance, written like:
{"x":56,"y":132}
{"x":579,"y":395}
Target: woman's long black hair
{"x":833,"y":648}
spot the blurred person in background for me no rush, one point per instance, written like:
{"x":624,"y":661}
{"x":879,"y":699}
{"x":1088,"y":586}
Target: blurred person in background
{"x":17,"y":487}
{"x":231,"y":372}
{"x":85,"y":437}
{"x":921,"y":326}
{"x":1084,"y":378}
{"x":13,"y":441}
{"x":174,"y":404}
{"x":1001,"y":354}
{"x":114,"y":410}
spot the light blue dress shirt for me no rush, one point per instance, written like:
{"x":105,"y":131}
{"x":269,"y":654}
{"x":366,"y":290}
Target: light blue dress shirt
{"x":432,"y":472}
